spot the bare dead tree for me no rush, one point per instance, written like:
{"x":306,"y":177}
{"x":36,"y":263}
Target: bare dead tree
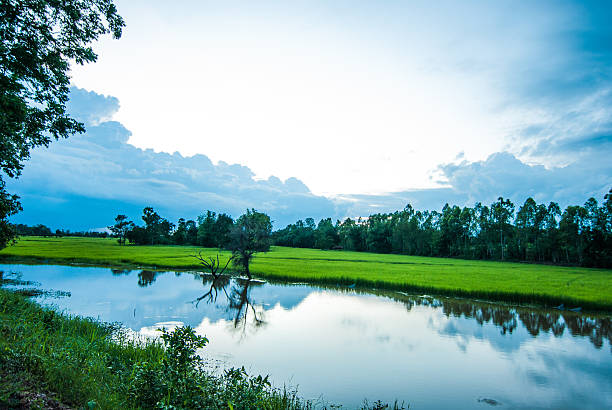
{"x":212,"y":264}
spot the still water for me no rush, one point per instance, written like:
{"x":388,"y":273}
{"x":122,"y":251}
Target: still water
{"x":340,"y":345}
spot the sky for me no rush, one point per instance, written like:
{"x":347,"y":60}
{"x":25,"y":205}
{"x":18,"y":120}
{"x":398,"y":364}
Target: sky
{"x":340,"y":108}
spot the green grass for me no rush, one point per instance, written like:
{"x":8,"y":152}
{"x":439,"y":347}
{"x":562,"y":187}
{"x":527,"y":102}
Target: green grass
{"x":513,"y":282}
{"x":70,"y":356}
{"x":49,"y":359}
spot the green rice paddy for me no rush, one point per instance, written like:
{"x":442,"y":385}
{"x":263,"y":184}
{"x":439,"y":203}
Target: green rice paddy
{"x":512,"y":282}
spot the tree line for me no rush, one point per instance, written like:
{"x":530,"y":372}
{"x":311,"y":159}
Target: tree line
{"x":43,"y":230}
{"x":211,"y":230}
{"x":247,"y":235}
{"x":579,"y":235}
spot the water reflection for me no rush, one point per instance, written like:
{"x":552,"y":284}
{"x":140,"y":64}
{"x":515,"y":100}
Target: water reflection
{"x":237,"y":300}
{"x":146,"y":278}
{"x":434,"y":352}
{"x":119,"y":272}
{"x":507,"y":318}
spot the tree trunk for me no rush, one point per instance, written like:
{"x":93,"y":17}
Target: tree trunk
{"x":501,"y":242}
{"x":246,"y":267}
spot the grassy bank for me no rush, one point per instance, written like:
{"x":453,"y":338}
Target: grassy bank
{"x":49,"y":360}
{"x":513,"y":282}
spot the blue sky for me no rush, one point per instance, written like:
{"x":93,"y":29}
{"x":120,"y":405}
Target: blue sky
{"x":333,"y":108}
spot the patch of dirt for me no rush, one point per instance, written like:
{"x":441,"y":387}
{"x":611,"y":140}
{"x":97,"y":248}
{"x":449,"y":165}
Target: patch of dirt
{"x":32,"y":400}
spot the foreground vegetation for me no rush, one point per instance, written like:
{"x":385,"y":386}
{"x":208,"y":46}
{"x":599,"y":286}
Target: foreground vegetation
{"x":513,"y":282}
{"x":49,"y":360}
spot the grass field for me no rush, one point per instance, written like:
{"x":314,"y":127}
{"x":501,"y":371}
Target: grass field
{"x":513,"y":282}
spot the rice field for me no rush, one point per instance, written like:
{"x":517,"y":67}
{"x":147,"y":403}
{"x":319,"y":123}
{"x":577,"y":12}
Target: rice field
{"x":512,"y":282}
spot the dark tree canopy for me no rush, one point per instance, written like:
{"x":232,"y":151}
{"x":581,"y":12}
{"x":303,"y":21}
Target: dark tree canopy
{"x":537,"y":232}
{"x":250,"y":234}
{"x":39,"y":41}
{"x":121,"y":227}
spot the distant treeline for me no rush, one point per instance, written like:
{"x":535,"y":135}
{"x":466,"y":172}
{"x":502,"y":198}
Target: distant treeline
{"x":42,"y":230}
{"x":211,"y":230}
{"x":580,"y":235}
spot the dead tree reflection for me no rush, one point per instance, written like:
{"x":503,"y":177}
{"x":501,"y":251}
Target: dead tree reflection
{"x":217,"y":283}
{"x":237,"y":298}
{"x":240,"y":302}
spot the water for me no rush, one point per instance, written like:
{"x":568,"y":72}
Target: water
{"x":342,"y":345}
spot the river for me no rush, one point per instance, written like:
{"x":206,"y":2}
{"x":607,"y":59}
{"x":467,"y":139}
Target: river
{"x":342,"y":345}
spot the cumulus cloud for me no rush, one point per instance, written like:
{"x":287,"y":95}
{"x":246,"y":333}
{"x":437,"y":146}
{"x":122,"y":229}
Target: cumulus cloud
{"x":502,"y":174}
{"x":84,"y":181}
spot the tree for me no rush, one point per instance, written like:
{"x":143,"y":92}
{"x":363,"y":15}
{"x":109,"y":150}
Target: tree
{"x":250,"y":234}
{"x":179,"y":237}
{"x":186,"y":233}
{"x":157,"y":228}
{"x":9,"y":206}
{"x":121,"y":227}
{"x":502,"y":212}
{"x":40,"y":38}
{"x":213,"y":229}
{"x":326,"y":235}
{"x":206,"y":228}
{"x":572,"y":226}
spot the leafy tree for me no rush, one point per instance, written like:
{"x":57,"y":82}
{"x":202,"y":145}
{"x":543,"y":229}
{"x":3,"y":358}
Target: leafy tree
{"x":250,"y":234}
{"x":179,"y":237}
{"x":40,"y":38}
{"x":378,"y":234}
{"x":572,"y":228}
{"x":326,"y":235}
{"x":206,"y":227}
{"x":213,"y":230}
{"x":186,"y":233}
{"x":9,"y":206}
{"x":551,"y":239}
{"x":352,"y":236}
{"x":36,"y":230}
{"x":298,"y":235}
{"x":502,"y":212}
{"x":138,"y":236}
{"x":222,"y":229}
{"x":158,"y":229}
{"x":121,"y":227}
{"x":450,"y":230}
{"x":527,"y":227}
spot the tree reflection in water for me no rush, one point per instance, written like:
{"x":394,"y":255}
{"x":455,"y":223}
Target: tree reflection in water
{"x":238,"y":298}
{"x":146,"y":277}
{"x":119,"y":272}
{"x":507,"y":318}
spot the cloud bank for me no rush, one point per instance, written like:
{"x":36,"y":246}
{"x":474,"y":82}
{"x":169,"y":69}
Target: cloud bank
{"x":84,"y":181}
